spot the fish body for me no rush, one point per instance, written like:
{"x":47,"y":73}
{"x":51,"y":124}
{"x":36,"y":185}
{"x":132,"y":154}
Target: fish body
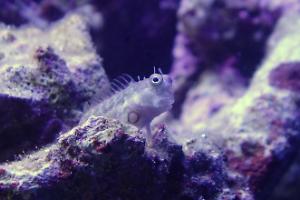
{"x":137,"y":103}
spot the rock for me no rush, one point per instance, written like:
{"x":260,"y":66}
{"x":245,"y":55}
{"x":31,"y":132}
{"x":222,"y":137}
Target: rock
{"x":49,"y":75}
{"x":215,"y":34}
{"x":283,"y":44}
{"x":103,"y":158}
{"x":234,"y":130}
{"x":212,"y":92}
{"x":259,"y":131}
{"x":39,"y":13}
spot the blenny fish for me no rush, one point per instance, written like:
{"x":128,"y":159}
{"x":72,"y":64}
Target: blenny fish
{"x":136,"y":102}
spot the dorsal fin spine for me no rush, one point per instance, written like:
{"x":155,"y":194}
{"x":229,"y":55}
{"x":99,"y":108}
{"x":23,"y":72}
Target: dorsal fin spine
{"x":129,"y":77}
{"x":124,"y":79}
{"x":115,"y":87}
{"x":122,"y":85}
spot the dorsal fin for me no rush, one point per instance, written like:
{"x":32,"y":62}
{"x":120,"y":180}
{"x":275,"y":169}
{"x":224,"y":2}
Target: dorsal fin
{"x":116,"y":85}
{"x":120,"y":83}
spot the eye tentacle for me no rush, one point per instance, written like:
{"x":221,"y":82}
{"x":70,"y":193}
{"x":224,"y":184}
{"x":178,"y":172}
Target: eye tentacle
{"x":160,"y":71}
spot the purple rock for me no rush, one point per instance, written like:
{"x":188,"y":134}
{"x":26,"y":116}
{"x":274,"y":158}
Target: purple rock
{"x":286,"y":76}
{"x":39,"y":13}
{"x":95,"y":159}
{"x":234,"y":134}
{"x":45,"y":85}
{"x":259,"y":130}
{"x":211,"y":33}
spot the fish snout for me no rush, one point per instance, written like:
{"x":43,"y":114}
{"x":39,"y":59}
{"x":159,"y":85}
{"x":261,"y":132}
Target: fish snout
{"x":168,"y":80}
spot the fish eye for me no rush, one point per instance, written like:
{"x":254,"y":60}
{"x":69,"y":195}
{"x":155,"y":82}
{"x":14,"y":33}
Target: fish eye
{"x":156,"y":79}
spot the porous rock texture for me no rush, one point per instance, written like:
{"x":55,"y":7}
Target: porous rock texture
{"x":48,"y":76}
{"x":212,"y":33}
{"x":104,"y":159}
{"x":286,"y":39}
{"x":39,"y":13}
{"x":236,"y":125}
{"x":257,"y":128}
{"x":215,"y":34}
{"x":116,"y":27}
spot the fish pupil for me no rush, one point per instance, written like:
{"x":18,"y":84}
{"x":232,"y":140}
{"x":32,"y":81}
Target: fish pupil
{"x":155,"y":80}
